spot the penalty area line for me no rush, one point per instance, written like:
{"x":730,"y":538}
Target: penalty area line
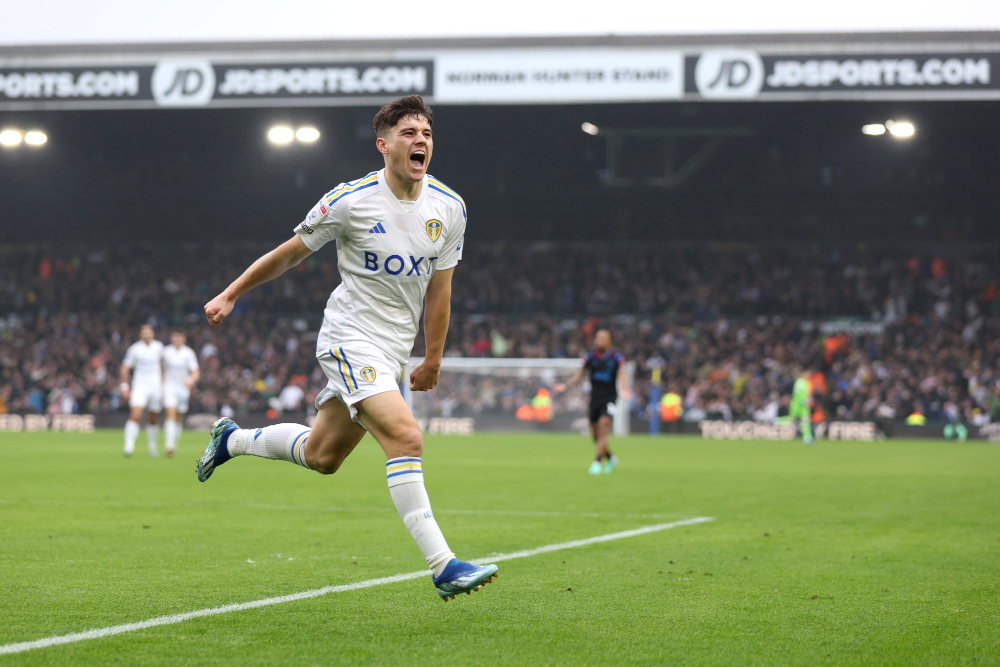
{"x":170,"y":619}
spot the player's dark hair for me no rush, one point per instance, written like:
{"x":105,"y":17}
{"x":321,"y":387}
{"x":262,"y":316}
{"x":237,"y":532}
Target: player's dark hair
{"x":395,"y":111}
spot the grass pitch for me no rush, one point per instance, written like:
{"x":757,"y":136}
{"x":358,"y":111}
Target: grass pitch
{"x":841,"y":553}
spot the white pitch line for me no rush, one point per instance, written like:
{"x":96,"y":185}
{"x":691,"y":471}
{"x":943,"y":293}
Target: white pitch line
{"x":21,"y":647}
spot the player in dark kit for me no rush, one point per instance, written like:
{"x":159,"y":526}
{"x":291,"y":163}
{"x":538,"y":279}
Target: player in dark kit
{"x":606,"y":381}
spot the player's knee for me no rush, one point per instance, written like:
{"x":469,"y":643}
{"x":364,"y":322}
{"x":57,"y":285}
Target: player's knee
{"x":410,"y":442}
{"x":323,"y":457}
{"x":326,"y":463}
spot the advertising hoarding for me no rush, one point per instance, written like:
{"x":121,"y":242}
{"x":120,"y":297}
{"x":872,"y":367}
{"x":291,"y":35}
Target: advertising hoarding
{"x":504,"y":76}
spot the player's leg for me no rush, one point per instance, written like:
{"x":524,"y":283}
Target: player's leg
{"x":175,"y":406}
{"x":603,"y":451}
{"x":321,"y":448}
{"x":800,"y":413}
{"x":183,"y":400}
{"x":153,"y":428}
{"x":388,"y":418}
{"x":601,"y":429}
{"x":594,"y":415}
{"x":334,"y":436}
{"x":132,"y":428}
{"x":170,"y":429}
{"x":170,"y":434}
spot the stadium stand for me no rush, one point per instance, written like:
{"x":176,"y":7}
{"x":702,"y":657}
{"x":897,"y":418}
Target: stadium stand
{"x":902,"y":331}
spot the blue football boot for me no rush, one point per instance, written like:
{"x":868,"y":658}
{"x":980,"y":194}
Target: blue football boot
{"x":461,"y":577}
{"x":216,"y":453}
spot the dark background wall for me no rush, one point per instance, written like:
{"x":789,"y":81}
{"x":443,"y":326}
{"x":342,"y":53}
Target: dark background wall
{"x":527,"y":173}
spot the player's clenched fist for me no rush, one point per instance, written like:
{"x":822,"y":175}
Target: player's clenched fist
{"x":218,"y":308}
{"x":424,"y":377}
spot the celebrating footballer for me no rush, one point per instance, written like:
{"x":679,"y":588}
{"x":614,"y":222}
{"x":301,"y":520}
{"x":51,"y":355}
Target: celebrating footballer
{"x":399,"y":234}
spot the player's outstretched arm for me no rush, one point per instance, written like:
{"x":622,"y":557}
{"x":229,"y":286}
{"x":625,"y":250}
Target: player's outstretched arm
{"x":268,"y":267}
{"x":437,"y":314}
{"x":563,"y":386}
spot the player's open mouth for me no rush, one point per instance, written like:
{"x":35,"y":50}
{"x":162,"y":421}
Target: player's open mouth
{"x":417,"y":159}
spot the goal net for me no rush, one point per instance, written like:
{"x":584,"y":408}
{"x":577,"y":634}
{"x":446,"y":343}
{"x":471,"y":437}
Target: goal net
{"x":487,"y":394}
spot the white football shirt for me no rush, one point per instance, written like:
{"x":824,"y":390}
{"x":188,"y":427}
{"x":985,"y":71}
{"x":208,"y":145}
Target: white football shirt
{"x":178,"y":364}
{"x":144,"y":360}
{"x":386,"y":256}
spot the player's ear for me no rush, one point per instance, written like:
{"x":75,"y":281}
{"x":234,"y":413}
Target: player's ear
{"x":382,"y":145}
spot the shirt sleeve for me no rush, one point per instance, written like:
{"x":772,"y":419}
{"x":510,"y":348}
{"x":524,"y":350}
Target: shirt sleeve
{"x":192,"y":365}
{"x":454,"y":241}
{"x":324,"y":223}
{"x":129,"y":360}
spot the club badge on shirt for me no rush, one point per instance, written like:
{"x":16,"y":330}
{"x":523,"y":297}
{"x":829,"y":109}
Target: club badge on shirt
{"x":434,"y":229}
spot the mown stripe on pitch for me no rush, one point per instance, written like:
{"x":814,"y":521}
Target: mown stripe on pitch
{"x":97,"y":633}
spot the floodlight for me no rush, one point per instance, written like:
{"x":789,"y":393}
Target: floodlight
{"x":307,"y":134}
{"x":590,"y":129}
{"x":35,"y":138}
{"x":875,"y":129}
{"x":280,"y":134}
{"x":901,"y":130}
{"x":10,"y":138}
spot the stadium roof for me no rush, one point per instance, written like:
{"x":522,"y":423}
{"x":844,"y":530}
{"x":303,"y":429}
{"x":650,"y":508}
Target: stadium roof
{"x":829,"y":42}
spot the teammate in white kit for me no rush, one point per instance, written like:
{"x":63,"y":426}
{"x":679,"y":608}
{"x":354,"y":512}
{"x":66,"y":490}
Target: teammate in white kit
{"x":144,"y":359}
{"x":180,"y":373}
{"x":399,"y":235}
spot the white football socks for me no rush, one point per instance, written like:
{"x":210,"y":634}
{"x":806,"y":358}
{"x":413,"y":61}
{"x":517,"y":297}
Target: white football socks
{"x":284,"y":442}
{"x":406,"y":486}
{"x":152,"y":433}
{"x":171,"y":433}
{"x":287,"y":442}
{"x":131,"y":433}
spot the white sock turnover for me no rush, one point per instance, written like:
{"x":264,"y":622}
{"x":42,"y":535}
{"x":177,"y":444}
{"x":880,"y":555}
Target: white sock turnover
{"x":406,"y":486}
{"x":284,"y":442}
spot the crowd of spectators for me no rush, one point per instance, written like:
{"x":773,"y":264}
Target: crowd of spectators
{"x":730,"y":327}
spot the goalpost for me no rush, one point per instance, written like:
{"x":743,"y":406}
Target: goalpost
{"x":490,"y":391}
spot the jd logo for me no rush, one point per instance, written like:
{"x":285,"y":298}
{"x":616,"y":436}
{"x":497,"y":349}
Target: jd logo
{"x":729,"y":74}
{"x":183,"y":83}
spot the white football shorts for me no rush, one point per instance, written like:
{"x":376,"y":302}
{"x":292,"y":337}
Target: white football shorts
{"x":356,"y":371}
{"x":146,"y":396}
{"x":176,"y":396}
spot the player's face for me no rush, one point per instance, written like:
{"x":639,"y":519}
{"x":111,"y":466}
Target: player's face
{"x":146,"y":334}
{"x":602,"y":340}
{"x":408,"y":148}
{"x":178,"y":339}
